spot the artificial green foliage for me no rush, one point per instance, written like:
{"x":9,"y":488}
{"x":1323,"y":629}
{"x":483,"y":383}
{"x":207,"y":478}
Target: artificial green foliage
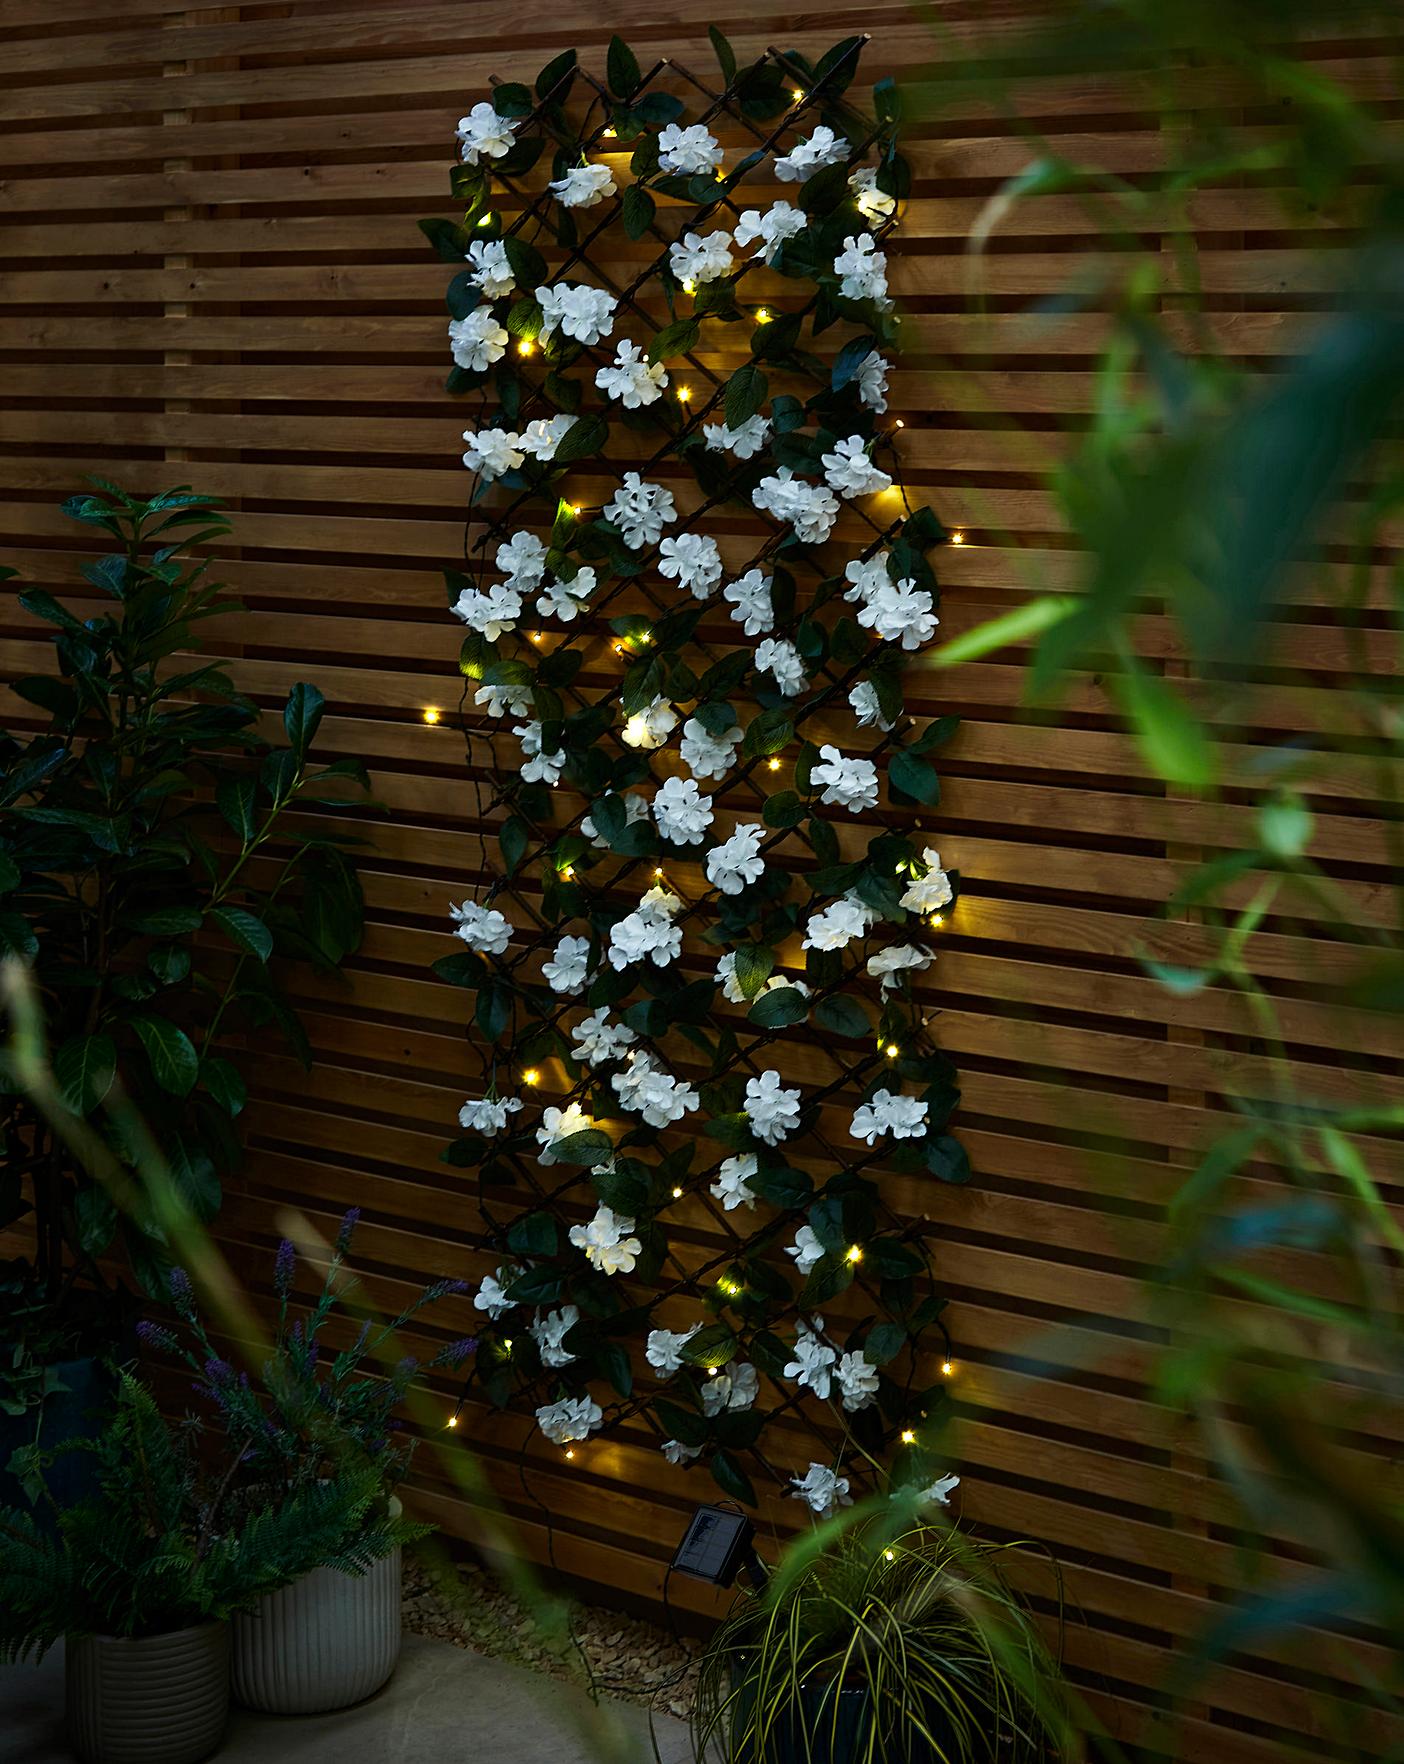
{"x":161,"y":1545}
{"x":881,"y":1641}
{"x":160,"y":860}
{"x":814,"y":381}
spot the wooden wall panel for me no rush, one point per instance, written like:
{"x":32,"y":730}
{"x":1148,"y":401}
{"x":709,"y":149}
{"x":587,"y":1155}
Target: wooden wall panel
{"x":209,"y":271}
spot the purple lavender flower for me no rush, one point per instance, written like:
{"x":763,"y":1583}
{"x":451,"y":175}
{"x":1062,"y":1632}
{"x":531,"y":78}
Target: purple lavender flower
{"x":283,"y":1265}
{"x":181,"y":1291}
{"x":456,"y":1351}
{"x":219,"y":1371}
{"x":154,"y":1336}
{"x":348,"y":1224}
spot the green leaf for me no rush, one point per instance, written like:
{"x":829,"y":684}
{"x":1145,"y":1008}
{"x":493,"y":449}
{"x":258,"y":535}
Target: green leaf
{"x":621,"y":69}
{"x":638,"y":211}
{"x":301,"y":716}
{"x":553,"y":73}
{"x":534,"y":1234}
{"x":746,"y":393}
{"x":780,"y":1006}
{"x":584,"y":438}
{"x":527,"y":263}
{"x":754,"y":966}
{"x":684,"y":1425}
{"x":234,"y":798}
{"x":612,"y":1358}
{"x":947,"y":1158}
{"x":914,"y":777}
{"x":224,"y":1082}
{"x":732,"y":1479}
{"x":1173,"y":741}
{"x":244,"y":931}
{"x":514,"y":838}
{"x":169,"y":962}
{"x":1020,"y":626}
{"x":725,"y":54}
{"x":713,"y":1345}
{"x":85,"y":1068}
{"x":884,"y":1343}
{"x":170,"y":921}
{"x":674,"y":339}
{"x":591,"y":1146}
{"x":174,"y":1063}
{"x":842,"y":1016}
{"x":538,"y":1286}
{"x":96,"y":1217}
{"x":17,"y":936}
{"x":768,"y":733}
{"x":784,"y":809}
{"x":512,"y":98}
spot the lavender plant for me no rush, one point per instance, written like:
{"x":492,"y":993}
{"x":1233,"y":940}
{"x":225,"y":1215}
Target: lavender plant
{"x":310,"y":1409}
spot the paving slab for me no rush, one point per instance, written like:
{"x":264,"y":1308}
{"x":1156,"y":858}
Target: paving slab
{"x":443,"y":1703}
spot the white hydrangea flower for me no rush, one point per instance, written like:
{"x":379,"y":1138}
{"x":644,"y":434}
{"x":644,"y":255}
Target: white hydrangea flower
{"x":858,"y":1381}
{"x":583,"y":186}
{"x":677,"y":1453}
{"x":542,"y":437}
{"x":557,"y":1124}
{"x":751,"y":605}
{"x":812,"y":1366}
{"x":770,"y":230}
{"x":491,"y":271}
{"x":569,"y":968}
{"x":596,"y":1040}
{"x":693,"y":561}
{"x":538,"y":767}
{"x":493,"y":612}
{"x":822,"y":148}
{"x":681,"y":812}
{"x":811,"y":509}
{"x":707,"y":755}
{"x":483,"y":134}
{"x":477,"y":341}
{"x":735,"y":1388}
{"x":608,"y":1242}
{"x":823,"y":1488}
{"x":726,"y":979}
{"x":806,"y":1249}
{"x":872,"y":381}
{"x":836,"y":925}
{"x":850,"y":472}
{"x":940,"y":1491}
{"x":852,"y":783}
{"x":930,"y":892}
{"x":736,"y":863}
{"x":488,"y":1114}
{"x":888,"y":965}
{"x":635,"y":809}
{"x":868,"y":577}
{"x":576,"y":310}
{"x":522,"y":559}
{"x":904,"y":1117}
{"x":571,"y":1418}
{"x":901,"y":613}
{"x":664,"y":1349}
{"x":503,"y":701}
{"x":694,"y":259}
{"x":492,"y":1297}
{"x":731,"y":1186}
{"x":779,"y":658}
{"x":649,"y":932}
{"x":482,"y":928}
{"x":640,"y":511}
{"x":688,"y":150}
{"x":563,"y":600}
{"x":656,"y":1095}
{"x":866,"y":707}
{"x":873,"y":204}
{"x":550,"y":1331}
{"x":772,"y":1111}
{"x":863,"y":269}
{"x":650,"y":728}
{"x":745,"y":442}
{"x":491,"y":452}
{"x":632,"y":378}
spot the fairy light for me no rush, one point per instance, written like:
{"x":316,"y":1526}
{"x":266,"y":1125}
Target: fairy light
{"x":684,"y":393}
{"x":568,"y":873}
{"x":658,"y":873}
{"x":773,"y":764}
{"x":908,"y":1437}
{"x":531,"y":1076}
{"x":636,"y":729}
{"x":452,"y":1421}
{"x":431,"y":714}
{"x":957,"y":538}
{"x":575,"y":508}
{"x":536,"y":636}
{"x":610,"y":134}
{"x":797,"y":93}
{"x":507,"y":1345}
{"x":892,"y":1050}
{"x":899,"y":424}
{"x":689,"y":287}
{"x":677,"y":1194}
{"x":936,"y":921}
{"x":763,"y":316}
{"x":526,"y":346}
{"x":855,"y":1252}
{"x":711,"y":1371}
{"x":486,"y":221}
{"x":890,"y":1555}
{"x":947,"y":1369}
{"x":570,"y":1451}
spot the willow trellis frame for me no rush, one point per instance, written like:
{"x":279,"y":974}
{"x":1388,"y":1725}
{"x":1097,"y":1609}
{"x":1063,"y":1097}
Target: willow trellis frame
{"x":618,"y":1224}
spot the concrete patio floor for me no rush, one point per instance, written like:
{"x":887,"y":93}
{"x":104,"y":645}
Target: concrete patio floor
{"x":442,"y":1704}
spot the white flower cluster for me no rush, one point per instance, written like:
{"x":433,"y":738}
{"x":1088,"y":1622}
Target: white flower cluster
{"x":656,"y":1095}
{"x":647,"y":932}
{"x":898,"y":612}
{"x":608,"y":1242}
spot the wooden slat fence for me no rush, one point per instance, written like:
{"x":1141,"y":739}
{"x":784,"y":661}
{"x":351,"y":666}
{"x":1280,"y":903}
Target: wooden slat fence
{"x":211,"y":272}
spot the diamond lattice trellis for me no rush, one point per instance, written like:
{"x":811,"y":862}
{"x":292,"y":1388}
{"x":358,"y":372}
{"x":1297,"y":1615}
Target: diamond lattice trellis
{"x":766,"y":605}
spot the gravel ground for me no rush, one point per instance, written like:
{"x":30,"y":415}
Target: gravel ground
{"x":623,"y":1657}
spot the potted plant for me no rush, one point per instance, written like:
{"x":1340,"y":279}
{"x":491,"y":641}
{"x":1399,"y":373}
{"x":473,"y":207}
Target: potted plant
{"x":327,"y":1639}
{"x":143,"y":1573}
{"x":157,"y":854}
{"x":874,"y":1640}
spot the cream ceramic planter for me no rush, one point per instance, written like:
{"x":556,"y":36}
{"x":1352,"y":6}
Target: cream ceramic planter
{"x":327,"y":1640}
{"x":162,"y":1699}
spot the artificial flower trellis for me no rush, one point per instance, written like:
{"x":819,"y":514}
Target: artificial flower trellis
{"x":690,"y":595}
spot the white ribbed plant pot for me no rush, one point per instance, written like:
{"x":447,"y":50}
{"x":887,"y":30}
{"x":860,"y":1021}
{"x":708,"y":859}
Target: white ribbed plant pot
{"x":159,"y":1699}
{"x":327,"y":1640}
